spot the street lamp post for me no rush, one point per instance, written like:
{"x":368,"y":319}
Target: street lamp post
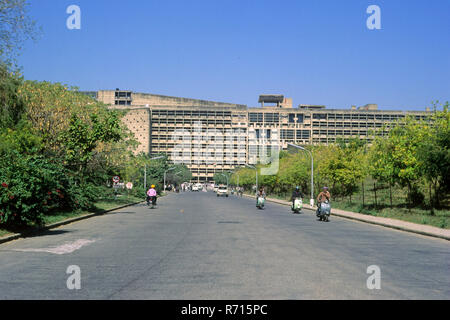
{"x":165,"y":177}
{"x":226,"y":178}
{"x":311,"y":202}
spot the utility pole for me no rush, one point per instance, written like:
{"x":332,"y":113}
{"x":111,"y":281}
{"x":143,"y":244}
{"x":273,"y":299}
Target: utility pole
{"x":311,"y":202}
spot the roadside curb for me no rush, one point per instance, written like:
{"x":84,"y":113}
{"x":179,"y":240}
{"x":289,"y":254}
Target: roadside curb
{"x":16,"y":236}
{"x":380,"y":221}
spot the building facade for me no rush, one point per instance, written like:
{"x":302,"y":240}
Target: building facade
{"x":212,"y":137}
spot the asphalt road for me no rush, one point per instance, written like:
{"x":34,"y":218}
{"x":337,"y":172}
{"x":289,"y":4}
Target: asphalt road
{"x":198,"y":246}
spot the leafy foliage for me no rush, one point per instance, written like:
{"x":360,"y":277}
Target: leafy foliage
{"x":82,"y":137}
{"x":31,"y":186}
{"x":15,"y":27}
{"x":12,"y":106}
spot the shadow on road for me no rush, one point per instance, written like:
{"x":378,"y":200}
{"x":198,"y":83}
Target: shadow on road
{"x":121,"y":212}
{"x":40,"y":233}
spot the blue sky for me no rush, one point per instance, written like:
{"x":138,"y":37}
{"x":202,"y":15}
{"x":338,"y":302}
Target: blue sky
{"x":316,"y":52}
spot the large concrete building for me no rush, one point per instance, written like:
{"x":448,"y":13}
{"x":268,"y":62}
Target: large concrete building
{"x":212,"y":137}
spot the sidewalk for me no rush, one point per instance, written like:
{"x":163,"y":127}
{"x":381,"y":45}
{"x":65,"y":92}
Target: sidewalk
{"x":385,"y":222}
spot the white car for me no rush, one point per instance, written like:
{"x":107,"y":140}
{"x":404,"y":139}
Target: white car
{"x":222,"y":191}
{"x":194,"y":187}
{"x":215,"y":189}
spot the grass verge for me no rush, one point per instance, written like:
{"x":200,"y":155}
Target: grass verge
{"x":440,"y":218}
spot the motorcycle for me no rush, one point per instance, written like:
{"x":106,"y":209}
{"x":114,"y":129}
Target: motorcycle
{"x":260,"y":202}
{"x":297,"y":205}
{"x":324,"y":211}
{"x":152,"y":200}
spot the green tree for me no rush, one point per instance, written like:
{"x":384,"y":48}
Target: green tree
{"x":433,"y":154}
{"x":219,"y":177}
{"x":82,"y":138}
{"x":394,"y":157}
{"x":22,"y":139}
{"x":12,"y":106}
{"x":49,"y":107}
{"x":294,"y":170}
{"x":16,"y":27}
{"x":246,"y":177}
{"x":344,"y":168}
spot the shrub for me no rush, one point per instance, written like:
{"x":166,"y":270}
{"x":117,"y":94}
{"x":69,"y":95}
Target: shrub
{"x":30,"y":187}
{"x":33,"y":186}
{"x":416,"y":197}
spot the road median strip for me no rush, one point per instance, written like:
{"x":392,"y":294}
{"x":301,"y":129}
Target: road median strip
{"x":385,"y":222}
{"x":16,"y":236}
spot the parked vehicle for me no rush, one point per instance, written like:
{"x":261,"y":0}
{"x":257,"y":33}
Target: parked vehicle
{"x":324,"y":211}
{"x":194,"y":188}
{"x":297,"y":205}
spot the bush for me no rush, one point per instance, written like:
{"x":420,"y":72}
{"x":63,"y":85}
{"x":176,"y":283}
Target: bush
{"x":30,"y":187}
{"x":81,"y":195}
{"x":416,"y":197}
{"x":33,"y":186}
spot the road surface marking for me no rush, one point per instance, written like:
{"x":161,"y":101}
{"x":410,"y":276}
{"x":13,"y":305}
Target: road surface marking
{"x":62,"y":249}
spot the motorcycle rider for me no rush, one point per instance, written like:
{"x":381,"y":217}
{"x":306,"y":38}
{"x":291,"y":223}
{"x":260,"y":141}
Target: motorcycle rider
{"x":261,"y":193}
{"x":296,"y":194}
{"x":322,"y":197}
{"x":151,"y":195}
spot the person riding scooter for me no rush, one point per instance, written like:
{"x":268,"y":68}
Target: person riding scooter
{"x":296,"y":194}
{"x":261,"y":193}
{"x":151,"y":195}
{"x":322,"y":197}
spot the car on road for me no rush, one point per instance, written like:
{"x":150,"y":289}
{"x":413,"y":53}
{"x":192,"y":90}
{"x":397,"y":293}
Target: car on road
{"x":222,"y":191}
{"x":195,"y":188}
{"x":215,"y":188}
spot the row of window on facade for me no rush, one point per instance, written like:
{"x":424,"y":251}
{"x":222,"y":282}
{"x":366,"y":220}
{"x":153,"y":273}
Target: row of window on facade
{"x":347,"y":132}
{"x":300,"y":117}
{"x":122,"y":102}
{"x":210,"y":146}
{"x":122,"y":94}
{"x":333,"y":140}
{"x":317,"y":124}
{"x":190,"y":121}
{"x":157,"y":131}
{"x":189,"y":113}
{"x":211,"y":172}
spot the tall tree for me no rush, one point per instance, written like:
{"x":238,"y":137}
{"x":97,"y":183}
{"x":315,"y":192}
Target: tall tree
{"x":12,"y":105}
{"x":16,"y":26}
{"x":434,"y":153}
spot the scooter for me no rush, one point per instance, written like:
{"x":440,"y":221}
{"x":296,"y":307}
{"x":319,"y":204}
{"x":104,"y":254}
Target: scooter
{"x":152,"y":200}
{"x":324,"y":211}
{"x":297,"y":205}
{"x":260,"y":202}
